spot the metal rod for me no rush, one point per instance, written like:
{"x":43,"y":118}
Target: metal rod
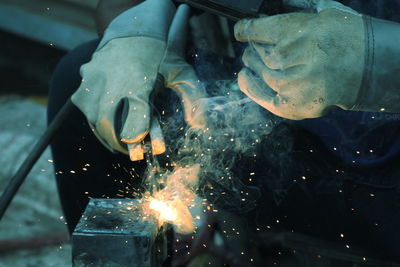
{"x":30,"y":161}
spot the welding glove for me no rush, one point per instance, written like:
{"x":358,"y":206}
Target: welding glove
{"x":118,"y":81}
{"x":179,"y":75}
{"x":299,"y":65}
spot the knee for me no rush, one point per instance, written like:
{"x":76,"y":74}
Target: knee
{"x":66,"y":73}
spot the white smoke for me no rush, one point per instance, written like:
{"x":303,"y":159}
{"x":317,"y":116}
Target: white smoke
{"x":236,"y":127}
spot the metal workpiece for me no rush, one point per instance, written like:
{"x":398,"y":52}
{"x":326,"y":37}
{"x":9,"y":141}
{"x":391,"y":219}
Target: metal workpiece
{"x":112,"y":232}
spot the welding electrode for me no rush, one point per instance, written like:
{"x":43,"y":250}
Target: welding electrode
{"x":30,"y":161}
{"x":149,"y":154}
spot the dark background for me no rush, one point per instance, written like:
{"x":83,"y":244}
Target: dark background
{"x":26,"y":66}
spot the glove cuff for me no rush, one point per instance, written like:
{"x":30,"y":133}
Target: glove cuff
{"x":151,"y":18}
{"x":381,"y":78}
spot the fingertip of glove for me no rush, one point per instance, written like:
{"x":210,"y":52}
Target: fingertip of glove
{"x":136,"y":152}
{"x":133,"y":138}
{"x":240,"y":30}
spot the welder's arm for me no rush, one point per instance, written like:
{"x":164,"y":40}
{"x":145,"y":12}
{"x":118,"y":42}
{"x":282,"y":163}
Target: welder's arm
{"x":107,"y":10}
{"x":117,"y":82}
{"x":299,"y":65}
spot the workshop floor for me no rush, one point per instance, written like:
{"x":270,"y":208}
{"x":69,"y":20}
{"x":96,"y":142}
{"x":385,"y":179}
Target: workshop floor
{"x":46,"y":257}
{"x":33,"y":226}
{"x":34,"y":218}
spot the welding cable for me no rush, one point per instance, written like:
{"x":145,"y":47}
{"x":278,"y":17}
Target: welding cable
{"x":30,"y":161}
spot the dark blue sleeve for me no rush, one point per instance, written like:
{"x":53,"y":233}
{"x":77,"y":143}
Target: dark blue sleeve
{"x":364,"y":139}
{"x":382,"y":9}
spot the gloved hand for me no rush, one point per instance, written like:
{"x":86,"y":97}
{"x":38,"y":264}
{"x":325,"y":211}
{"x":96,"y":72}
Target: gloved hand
{"x":298,"y":65}
{"x":179,"y":75}
{"x":118,"y":81}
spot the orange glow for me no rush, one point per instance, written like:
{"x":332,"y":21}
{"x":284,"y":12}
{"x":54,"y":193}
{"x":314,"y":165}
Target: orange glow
{"x":158,"y":146}
{"x":172,"y":203}
{"x":136,"y":152}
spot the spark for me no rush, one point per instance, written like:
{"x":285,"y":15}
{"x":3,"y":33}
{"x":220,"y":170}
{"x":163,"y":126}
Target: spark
{"x":171,"y":204}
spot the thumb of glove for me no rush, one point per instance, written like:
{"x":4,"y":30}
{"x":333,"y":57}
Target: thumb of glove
{"x":322,"y":5}
{"x":318,"y":5}
{"x":179,"y":75}
{"x":133,"y":119}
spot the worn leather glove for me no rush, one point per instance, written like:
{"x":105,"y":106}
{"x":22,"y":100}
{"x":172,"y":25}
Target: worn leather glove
{"x":118,"y":81}
{"x":179,"y":75}
{"x":300,"y":64}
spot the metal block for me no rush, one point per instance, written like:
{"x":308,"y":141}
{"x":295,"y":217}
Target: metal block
{"x":113,"y":233}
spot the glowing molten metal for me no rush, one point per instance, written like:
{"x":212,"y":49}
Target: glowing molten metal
{"x":172,"y":204}
{"x":165,"y":213}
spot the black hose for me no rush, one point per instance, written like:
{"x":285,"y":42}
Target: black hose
{"x":30,"y":161}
